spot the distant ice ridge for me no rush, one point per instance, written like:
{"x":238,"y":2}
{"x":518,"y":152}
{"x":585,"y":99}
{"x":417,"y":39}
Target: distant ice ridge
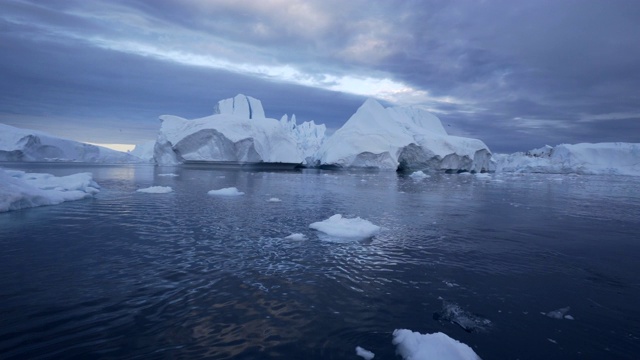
{"x":585,"y":158}
{"x":18,"y":144}
{"x":415,"y":346}
{"x":406,"y":138}
{"x":19,"y":190}
{"x":237,"y":132}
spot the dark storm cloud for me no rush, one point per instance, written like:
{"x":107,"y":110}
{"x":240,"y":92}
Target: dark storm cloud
{"x":515,"y":74}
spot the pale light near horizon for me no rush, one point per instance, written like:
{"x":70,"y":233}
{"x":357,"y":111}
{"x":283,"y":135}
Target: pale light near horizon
{"x":117,"y":147}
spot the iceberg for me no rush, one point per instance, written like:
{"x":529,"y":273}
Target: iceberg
{"x":584,"y":158}
{"x":237,"y":133}
{"x":18,"y":144}
{"x":401,"y":138}
{"x":19,"y":190}
{"x":415,"y":346}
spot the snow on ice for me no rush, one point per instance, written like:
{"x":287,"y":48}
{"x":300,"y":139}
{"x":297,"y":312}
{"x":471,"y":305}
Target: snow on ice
{"x":19,"y":190}
{"x":340,"y":227}
{"x":156,"y":190}
{"x":416,"y":346}
{"x":230,"y":191}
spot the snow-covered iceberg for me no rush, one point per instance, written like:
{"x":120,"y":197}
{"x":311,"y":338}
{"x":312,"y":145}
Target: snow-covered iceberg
{"x":585,"y":158}
{"x":18,"y":144}
{"x":19,"y":190}
{"x":401,"y":138}
{"x":238,"y":133}
{"x":415,"y":346}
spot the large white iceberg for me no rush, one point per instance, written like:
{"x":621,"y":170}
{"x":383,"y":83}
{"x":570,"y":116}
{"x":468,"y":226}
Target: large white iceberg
{"x":238,"y":132}
{"x":401,"y":138}
{"x":19,"y":190}
{"x":600,"y":158}
{"x":415,"y":346}
{"x":18,"y":144}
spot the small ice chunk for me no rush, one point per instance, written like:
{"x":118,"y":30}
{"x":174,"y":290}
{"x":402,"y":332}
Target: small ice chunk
{"x":483,"y":176}
{"x":296,"y":236}
{"x":569,"y":317}
{"x":418,"y":175}
{"x":415,"y":346}
{"x":338,"y":226}
{"x":156,"y":190}
{"x":551,"y":340}
{"x":274,"y":199}
{"x":230,"y":191}
{"x":364,"y":353}
{"x":558,"y":314}
{"x":169,"y":174}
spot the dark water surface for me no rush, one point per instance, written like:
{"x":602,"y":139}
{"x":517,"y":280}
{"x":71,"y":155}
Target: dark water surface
{"x":186,"y":275}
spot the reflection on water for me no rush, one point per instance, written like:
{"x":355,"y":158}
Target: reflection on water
{"x":187,"y":275}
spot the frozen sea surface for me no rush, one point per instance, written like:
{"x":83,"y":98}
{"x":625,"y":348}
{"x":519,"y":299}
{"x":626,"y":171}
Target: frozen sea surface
{"x":185,"y":275}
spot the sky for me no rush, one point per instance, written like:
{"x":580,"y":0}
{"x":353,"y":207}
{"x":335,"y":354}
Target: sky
{"x":516,"y":74}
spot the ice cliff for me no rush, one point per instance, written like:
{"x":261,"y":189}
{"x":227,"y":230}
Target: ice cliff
{"x":237,"y":132}
{"x":308,"y":135}
{"x":401,"y":138}
{"x":600,"y":158}
{"x":18,"y":144}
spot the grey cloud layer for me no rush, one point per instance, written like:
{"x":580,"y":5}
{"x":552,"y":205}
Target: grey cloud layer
{"x":518,"y":74}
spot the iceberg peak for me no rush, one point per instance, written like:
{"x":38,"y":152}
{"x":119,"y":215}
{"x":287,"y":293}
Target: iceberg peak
{"x":242,"y":106}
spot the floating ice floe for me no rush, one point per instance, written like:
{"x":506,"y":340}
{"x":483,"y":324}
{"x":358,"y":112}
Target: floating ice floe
{"x":156,"y":190}
{"x":230,"y":191}
{"x":19,"y":190}
{"x":466,"y":320}
{"x":364,"y":353}
{"x":274,"y":199}
{"x":168,"y":175}
{"x":560,"y":313}
{"x":418,"y":175}
{"x":296,"y":236}
{"x":340,"y":227}
{"x":437,"y":346}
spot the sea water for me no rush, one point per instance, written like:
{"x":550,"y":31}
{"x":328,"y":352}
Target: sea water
{"x":187,"y":275}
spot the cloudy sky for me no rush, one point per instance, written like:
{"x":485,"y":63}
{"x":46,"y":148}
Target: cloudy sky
{"x":516,"y":74}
